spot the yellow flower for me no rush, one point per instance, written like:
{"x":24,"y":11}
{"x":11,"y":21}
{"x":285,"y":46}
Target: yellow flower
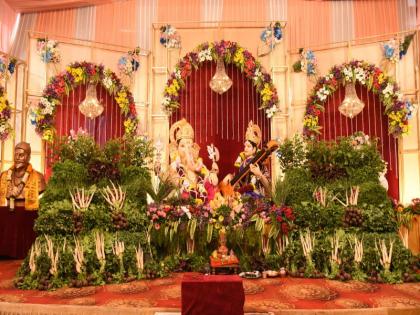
{"x":221,"y":218}
{"x":239,"y":56}
{"x":77,"y":74}
{"x":129,"y":125}
{"x":39,"y":117}
{"x":266,"y":92}
{"x":175,"y":84}
{"x":122,"y":99}
{"x":310,"y":121}
{"x":405,"y":129}
{"x":198,"y":202}
{"x":173,"y":88}
{"x":381,"y":78}
{"x":48,"y":135}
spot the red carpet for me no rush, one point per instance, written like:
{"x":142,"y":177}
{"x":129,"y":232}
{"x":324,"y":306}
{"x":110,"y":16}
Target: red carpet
{"x":261,"y":295}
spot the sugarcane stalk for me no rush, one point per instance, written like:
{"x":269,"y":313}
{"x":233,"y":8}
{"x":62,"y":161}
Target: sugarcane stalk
{"x":282,"y":241}
{"x":100,"y":250}
{"x":403,"y":233}
{"x":385,"y":254}
{"x":335,"y":246}
{"x":35,"y":252}
{"x":354,"y":195}
{"x":308,"y":244}
{"x":114,"y":196}
{"x":81,"y":199}
{"x":53,"y":256}
{"x":118,"y":249}
{"x":358,"y":250}
{"x":78,"y":256}
{"x":140,"y":258}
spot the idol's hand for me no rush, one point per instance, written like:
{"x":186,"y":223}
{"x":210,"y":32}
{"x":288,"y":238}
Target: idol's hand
{"x":255,"y":169}
{"x":215,"y":168}
{"x":227,"y":179}
{"x":213,"y":179}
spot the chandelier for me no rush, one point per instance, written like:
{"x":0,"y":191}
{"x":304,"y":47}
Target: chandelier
{"x":91,"y":107}
{"x":220,"y":82}
{"x":352,"y":105}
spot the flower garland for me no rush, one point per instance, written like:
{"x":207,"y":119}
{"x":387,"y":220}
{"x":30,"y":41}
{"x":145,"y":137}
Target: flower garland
{"x":48,"y":50}
{"x":368,"y":75}
{"x":75,"y":74}
{"x":5,"y":114}
{"x":129,"y":63}
{"x":230,"y":52}
{"x":307,"y":62}
{"x":272,"y":35}
{"x":169,"y":37}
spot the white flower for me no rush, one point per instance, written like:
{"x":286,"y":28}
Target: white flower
{"x":257,"y":74}
{"x":399,"y":95}
{"x":205,"y":55}
{"x":186,"y":211}
{"x":51,"y":44}
{"x":328,"y":77}
{"x":303,"y":65}
{"x":360,"y":75}
{"x":348,"y":74}
{"x":271,"y":111}
{"x":166,"y":101}
{"x":170,"y":30}
{"x":48,"y":106}
{"x":107,"y":82}
{"x":323,"y":93}
{"x":48,"y":110}
{"x":2,"y":128}
{"x":178,"y":74}
{"x":389,"y":90}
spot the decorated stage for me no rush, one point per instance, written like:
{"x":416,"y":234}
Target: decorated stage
{"x":276,"y":295}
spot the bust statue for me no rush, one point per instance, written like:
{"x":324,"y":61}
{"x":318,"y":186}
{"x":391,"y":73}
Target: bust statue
{"x":21,"y":184}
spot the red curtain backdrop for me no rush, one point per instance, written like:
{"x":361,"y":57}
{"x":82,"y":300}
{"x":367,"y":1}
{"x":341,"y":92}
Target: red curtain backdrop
{"x":221,"y":119}
{"x":107,"y":126}
{"x":371,"y":121}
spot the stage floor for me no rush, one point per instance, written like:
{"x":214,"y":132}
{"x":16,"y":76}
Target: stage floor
{"x":276,"y":295}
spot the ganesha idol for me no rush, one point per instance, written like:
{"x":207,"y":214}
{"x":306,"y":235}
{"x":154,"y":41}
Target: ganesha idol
{"x":187,"y":170}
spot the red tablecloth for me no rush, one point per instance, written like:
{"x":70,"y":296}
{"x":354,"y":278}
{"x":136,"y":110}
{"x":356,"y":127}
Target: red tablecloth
{"x":212,"y":295}
{"x":16,"y":231}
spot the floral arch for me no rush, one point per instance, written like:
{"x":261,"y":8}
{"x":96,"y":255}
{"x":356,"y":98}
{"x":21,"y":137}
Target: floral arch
{"x":5,"y":113}
{"x":367,"y":75}
{"x":76,"y":74}
{"x":231,"y":53}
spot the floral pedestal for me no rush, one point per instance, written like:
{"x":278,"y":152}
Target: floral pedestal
{"x":220,"y":259}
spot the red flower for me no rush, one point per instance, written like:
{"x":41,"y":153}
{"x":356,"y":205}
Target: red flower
{"x":279,"y":219}
{"x":284,"y":228}
{"x":132,"y":109}
{"x":249,"y":67}
{"x":186,"y":69}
